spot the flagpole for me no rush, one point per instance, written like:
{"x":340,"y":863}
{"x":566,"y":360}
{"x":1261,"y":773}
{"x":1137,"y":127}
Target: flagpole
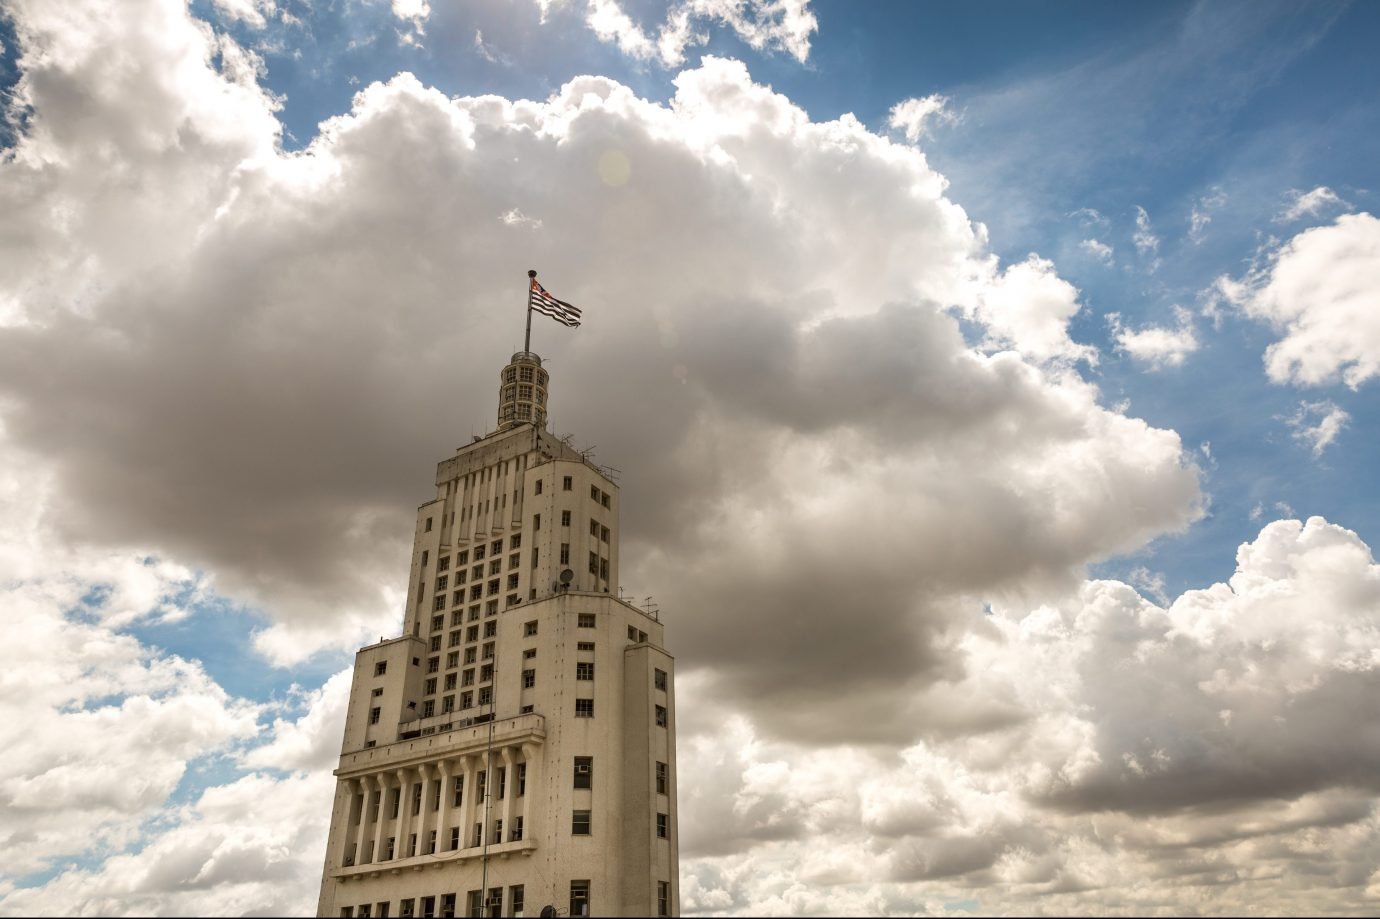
{"x":527,"y":341}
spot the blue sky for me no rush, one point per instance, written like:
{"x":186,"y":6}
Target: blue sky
{"x":1039,"y":424}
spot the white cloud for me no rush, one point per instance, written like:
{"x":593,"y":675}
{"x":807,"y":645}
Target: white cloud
{"x":762,"y":24}
{"x":252,"y":13}
{"x":1309,"y":204}
{"x":1098,"y":250}
{"x":1147,"y":243}
{"x":1089,"y":217}
{"x":1028,"y":306}
{"x":1322,"y":291}
{"x":1317,"y":424}
{"x":911,"y":115}
{"x":1157,"y":346}
{"x":1201,"y":214}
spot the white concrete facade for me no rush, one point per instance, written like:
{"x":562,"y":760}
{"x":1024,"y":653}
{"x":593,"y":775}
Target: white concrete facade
{"x":515,"y":748}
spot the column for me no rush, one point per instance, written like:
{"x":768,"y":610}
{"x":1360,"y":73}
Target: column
{"x":402,"y":826}
{"x":444,"y":777}
{"x":361,"y":835}
{"x":531,"y":809}
{"x":471,"y":795}
{"x":350,"y":786}
{"x":384,"y":819}
{"x":509,"y":792}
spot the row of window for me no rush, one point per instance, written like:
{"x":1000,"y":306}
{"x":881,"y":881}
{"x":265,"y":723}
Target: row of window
{"x":490,"y":903}
{"x":581,"y":824}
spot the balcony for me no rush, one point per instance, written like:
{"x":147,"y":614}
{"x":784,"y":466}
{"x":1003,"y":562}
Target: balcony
{"x":471,"y":855}
{"x":441,"y":737}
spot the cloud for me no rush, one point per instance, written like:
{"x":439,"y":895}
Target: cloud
{"x":1321,"y":291}
{"x":1147,"y":243}
{"x":1201,"y":215}
{"x":1100,"y":251}
{"x":1157,"y":346}
{"x":763,"y":25}
{"x":911,"y":115}
{"x":1309,"y":204}
{"x":1317,"y":424}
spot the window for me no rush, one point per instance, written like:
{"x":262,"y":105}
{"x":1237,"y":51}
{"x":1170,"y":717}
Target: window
{"x":447,"y":704}
{"x":584,"y":646}
{"x":405,"y":908}
{"x":474,"y":613}
{"x":521,"y":786}
{"x":536,"y":490}
{"x":443,"y":563}
{"x":486,"y":695}
{"x":604,"y":568}
{"x":442,"y":583}
{"x":450,"y":682}
{"x":380,"y":668}
{"x":568,"y":483}
{"x":463,"y":558}
{"x":448,"y":906}
{"x":388,"y":849}
{"x":476,"y":591}
{"x":536,"y":521}
{"x":454,"y":641}
{"x":429,"y":687}
{"x":661,"y":778}
{"x":454,"y":838}
{"x":466,"y":700}
{"x":478,"y":835}
{"x":416,"y":802}
{"x":529,"y":654}
{"x":663,"y":898}
{"x":529,"y":679}
{"x":381,"y":909}
{"x":438,"y":622}
{"x":603,"y":534}
{"x":453,"y":659}
{"x":488,"y":652}
{"x":515,"y":893}
{"x":377,"y":691}
{"x":584,"y":670}
{"x":604,"y":498}
{"x":477,"y":572}
{"x":586,"y":620}
{"x":491,"y":607}
{"x":472,"y":633}
{"x":579,"y":898}
{"x":436,"y":643}
{"x":512,"y":580}
{"x":428,"y":526}
{"x":661,"y":716}
{"x":584,"y":772}
{"x":428,"y":708}
{"x":467,"y":677}
{"x":439,"y":603}
{"x":565,"y":553}
{"x":594,"y":563}
{"x":346,"y":912}
{"x":458,"y":597}
{"x":593,"y":494}
{"x":536,"y":556}
{"x":498,"y":831}
{"x":497,"y":547}
{"x":491,"y":628}
{"x":529,"y":628}
{"x":514,"y":560}
{"x":659,"y":679}
{"x":458,"y":789}
{"x":632,"y":633}
{"x":661,"y":826}
{"x":565,"y":518}
{"x":426,"y":554}
{"x":469,"y":655}
{"x":584,"y":708}
{"x":527,"y":709}
{"x":478,"y":552}
{"x":493,"y":587}
{"x":579,"y":823}
{"x":593,"y":527}
{"x":502,"y":783}
{"x":374,"y":715}
{"x":496,"y":566}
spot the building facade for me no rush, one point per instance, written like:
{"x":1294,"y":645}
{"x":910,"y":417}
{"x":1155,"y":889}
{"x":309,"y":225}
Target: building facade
{"x":515,"y":747}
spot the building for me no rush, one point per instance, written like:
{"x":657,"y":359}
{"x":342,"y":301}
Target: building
{"x":515,"y":747}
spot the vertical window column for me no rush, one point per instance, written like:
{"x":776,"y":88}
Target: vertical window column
{"x":383,"y":819}
{"x":510,"y":770}
{"x":531,"y":801}
{"x":444,"y":777}
{"x":402,"y":826}
{"x":473,"y":805}
{"x":362,"y":785}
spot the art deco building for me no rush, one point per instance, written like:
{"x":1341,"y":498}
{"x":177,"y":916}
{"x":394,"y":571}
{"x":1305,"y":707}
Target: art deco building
{"x":515,"y":748}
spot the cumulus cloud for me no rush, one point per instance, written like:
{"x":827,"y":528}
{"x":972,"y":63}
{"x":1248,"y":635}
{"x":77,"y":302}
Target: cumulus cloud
{"x":1322,"y":291}
{"x":1317,"y":424}
{"x":784,"y":25}
{"x":1309,"y":204}
{"x":1098,"y":250}
{"x":1157,"y":346}
{"x":911,"y":115}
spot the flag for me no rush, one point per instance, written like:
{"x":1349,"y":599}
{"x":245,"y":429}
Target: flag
{"x":548,"y":305}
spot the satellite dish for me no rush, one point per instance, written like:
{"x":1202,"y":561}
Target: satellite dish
{"x":548,"y":912}
{"x":567,"y":575}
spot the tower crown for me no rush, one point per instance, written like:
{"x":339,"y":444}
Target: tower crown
{"x":522,"y":392}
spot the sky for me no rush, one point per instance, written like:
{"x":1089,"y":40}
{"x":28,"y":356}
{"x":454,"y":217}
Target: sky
{"x":993,"y":389}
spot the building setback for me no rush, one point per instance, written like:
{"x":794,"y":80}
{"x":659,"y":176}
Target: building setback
{"x":515,"y":748}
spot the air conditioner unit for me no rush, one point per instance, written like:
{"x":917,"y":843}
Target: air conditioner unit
{"x":493,"y":901}
{"x":582,"y":768}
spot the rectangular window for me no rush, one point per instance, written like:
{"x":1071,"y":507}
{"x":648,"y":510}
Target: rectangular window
{"x":584,"y":772}
{"x":374,"y":715}
{"x":579,"y":823}
{"x":428,"y":525}
{"x":486,"y":672}
{"x":496,"y":566}
{"x":378,"y":691}
{"x":436,"y":643}
{"x":488,"y":654}
{"x":584,"y":670}
{"x":448,"y":906}
{"x":521,"y":783}
{"x":486,"y":695}
{"x":429,"y":687}
{"x":439,"y":603}
{"x":584,"y":646}
{"x":586,"y":620}
{"x":491,"y":608}
{"x":443,"y":563}
{"x":428,"y":907}
{"x":514,"y":560}
{"x":491,"y":628}
{"x":472,"y":633}
{"x":388,"y":849}
{"x":515,"y":893}
{"x":476,"y":591}
{"x":529,"y":679}
{"x":594,"y":563}
{"x":659,"y":679}
{"x":604,"y":568}
{"x":405,"y":908}
{"x":457,"y":598}
{"x":463,"y":558}
{"x":604,"y":498}
{"x":496,"y":547}
{"x":431,"y":843}
{"x":536,"y":556}
{"x":458,"y":796}
{"x":416,"y":798}
{"x":525,"y":710}
{"x":529,"y":628}
{"x":661,"y":778}
{"x":537,"y":488}
{"x":632,"y":633}
{"x":474,"y":613}
{"x":467,"y":677}
{"x":453,"y":659}
{"x":529,"y":654}
{"x":594,"y":493}
{"x":346,"y":912}
{"x":428,"y":708}
{"x":565,"y":518}
{"x":502,"y":782}
{"x":593,"y":528}
{"x":466,"y":700}
{"x":661,"y":716}
{"x":364,"y":912}
{"x":447,"y":703}
{"x":437,"y":623}
{"x":381,"y":909}
{"x":442,"y":583}
{"x":454,"y":640}
{"x":478,"y":836}
{"x":565,"y":553}
{"x":663,"y":898}
{"x":584,"y":708}
{"x":493,"y":586}
{"x":536,"y":521}
{"x":568,"y":483}
{"x":454,"y":838}
{"x":603,"y":534}
{"x":661,"y":826}
{"x":470,"y":655}
{"x":579,"y":898}
{"x":380,"y":668}
{"x":512,"y":582}
{"x":478,"y":552}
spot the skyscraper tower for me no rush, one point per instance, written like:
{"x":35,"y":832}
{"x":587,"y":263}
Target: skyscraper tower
{"x":515,"y":748}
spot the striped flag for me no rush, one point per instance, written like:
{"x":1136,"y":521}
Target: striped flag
{"x":548,"y":305}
